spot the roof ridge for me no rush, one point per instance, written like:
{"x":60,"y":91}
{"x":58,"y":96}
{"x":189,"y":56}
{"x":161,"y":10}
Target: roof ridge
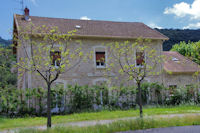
{"x":82,"y":19}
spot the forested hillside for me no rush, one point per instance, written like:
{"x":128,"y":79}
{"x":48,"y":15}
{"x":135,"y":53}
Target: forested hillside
{"x":5,"y":42}
{"x":177,"y":35}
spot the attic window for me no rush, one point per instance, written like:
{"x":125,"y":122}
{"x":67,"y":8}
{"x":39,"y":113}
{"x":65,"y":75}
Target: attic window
{"x":175,"y":59}
{"x":78,"y":26}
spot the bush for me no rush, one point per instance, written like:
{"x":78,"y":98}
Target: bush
{"x":23,"y":102}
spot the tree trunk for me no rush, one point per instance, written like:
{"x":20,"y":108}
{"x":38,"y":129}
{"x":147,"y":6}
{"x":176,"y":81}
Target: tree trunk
{"x":140,"y":99}
{"x":49,"y":106}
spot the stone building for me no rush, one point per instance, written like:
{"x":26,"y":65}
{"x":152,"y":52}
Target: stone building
{"x":93,"y":34}
{"x":179,"y":71}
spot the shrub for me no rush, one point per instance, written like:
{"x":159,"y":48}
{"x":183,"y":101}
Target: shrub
{"x":23,"y":102}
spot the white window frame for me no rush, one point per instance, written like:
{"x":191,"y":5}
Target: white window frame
{"x":55,"y":65}
{"x":95,"y":49}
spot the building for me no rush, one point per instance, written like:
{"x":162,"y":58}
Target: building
{"x":179,"y":71}
{"x":93,"y":34}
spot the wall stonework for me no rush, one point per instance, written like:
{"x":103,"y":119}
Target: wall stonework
{"x":180,"y":79}
{"x":86,"y":73}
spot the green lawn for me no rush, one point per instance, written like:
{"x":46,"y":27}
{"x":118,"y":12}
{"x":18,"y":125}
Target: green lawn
{"x":6,"y":123}
{"x":124,"y":125}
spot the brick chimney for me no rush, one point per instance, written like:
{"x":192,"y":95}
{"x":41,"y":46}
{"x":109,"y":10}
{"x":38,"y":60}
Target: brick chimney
{"x":26,"y":14}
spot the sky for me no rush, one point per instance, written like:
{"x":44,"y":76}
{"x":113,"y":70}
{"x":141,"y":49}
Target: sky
{"x":176,"y":14}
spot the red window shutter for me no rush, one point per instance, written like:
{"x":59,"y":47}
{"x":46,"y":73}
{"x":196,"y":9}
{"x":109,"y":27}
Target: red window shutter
{"x":100,"y":56}
{"x":56,"y":57}
{"x":139,"y":58}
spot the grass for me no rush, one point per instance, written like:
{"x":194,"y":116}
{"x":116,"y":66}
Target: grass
{"x":124,"y":125}
{"x":7,"y":123}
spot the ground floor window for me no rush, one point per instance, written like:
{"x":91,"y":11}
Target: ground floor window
{"x":172,"y":88}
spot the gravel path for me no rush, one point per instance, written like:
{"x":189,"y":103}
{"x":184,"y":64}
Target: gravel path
{"x":101,"y":122}
{"x":185,"y":129}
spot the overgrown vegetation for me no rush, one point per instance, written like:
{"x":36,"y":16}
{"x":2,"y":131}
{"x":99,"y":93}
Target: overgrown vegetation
{"x":190,"y":50}
{"x":76,"y":99}
{"x":7,"y":79}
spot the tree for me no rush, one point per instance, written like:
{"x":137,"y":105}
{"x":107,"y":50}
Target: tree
{"x":190,"y":50}
{"x":135,"y":61}
{"x":48,"y":54}
{"x":6,"y":59}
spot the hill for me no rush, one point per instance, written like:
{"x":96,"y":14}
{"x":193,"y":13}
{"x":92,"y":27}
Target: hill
{"x":5,"y":42}
{"x":177,"y":35}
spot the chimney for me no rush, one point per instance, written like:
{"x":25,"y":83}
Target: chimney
{"x":26,"y":14}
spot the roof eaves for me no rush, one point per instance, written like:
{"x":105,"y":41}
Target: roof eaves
{"x":166,"y":38}
{"x":105,"y":37}
{"x":118,"y":37}
{"x":16,"y":22}
{"x":178,"y":72}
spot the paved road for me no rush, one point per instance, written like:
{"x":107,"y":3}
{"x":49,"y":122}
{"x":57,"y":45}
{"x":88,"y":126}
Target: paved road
{"x":185,"y":129}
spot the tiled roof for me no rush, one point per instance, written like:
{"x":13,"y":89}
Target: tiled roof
{"x":177,"y":63}
{"x":93,"y":28}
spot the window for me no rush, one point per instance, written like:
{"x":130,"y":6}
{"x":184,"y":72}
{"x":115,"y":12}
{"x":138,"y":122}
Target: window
{"x":140,"y":59}
{"x":171,"y":88}
{"x":55,"y":58}
{"x":189,"y":86}
{"x":190,"y":89}
{"x":100,"y":59}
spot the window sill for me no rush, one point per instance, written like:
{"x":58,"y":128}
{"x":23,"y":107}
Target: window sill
{"x":139,"y":66}
{"x":100,"y":67}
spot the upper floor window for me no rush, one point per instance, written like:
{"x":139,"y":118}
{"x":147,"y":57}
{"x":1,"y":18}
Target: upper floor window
{"x":100,"y":60}
{"x":140,"y":59}
{"x":55,"y":58}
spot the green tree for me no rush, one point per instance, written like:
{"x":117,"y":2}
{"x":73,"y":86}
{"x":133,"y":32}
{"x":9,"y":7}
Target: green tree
{"x":190,"y":50}
{"x":136,"y":61}
{"x":47,"y":53}
{"x":6,"y":59}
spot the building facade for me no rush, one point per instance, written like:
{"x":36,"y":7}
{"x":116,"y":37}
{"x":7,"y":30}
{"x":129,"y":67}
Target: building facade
{"x":92,"y":35}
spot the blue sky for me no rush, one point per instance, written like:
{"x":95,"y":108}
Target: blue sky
{"x":155,"y":13}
